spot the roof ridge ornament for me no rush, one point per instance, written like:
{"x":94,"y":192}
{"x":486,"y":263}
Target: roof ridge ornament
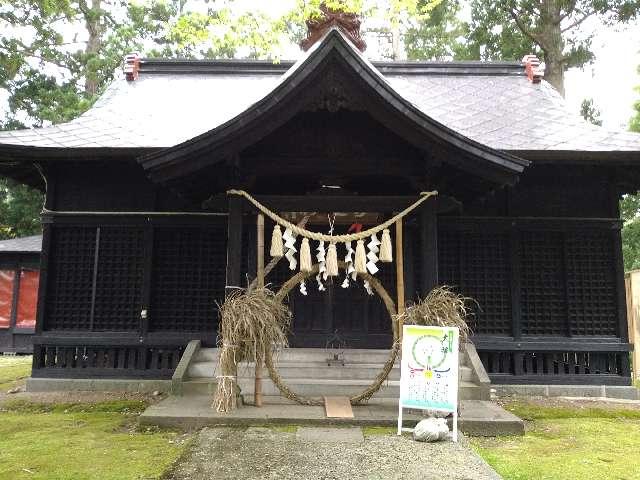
{"x":533,"y":68}
{"x":347,"y":22}
{"x":131,"y":66}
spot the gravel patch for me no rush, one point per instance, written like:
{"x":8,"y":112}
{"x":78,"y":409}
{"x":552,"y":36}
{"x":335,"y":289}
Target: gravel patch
{"x":269,"y":453}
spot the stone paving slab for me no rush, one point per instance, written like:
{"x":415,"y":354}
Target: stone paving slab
{"x":330,"y":434}
{"x":194,"y":411}
{"x":267,"y":453}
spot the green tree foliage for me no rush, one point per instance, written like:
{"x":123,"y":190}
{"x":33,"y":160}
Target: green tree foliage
{"x":634,"y":124}
{"x":19,"y":210}
{"x":441,"y":35}
{"x":510,"y":29}
{"x":630,"y":211}
{"x":589,"y":112}
{"x":57,"y":56}
{"x":630,"y":215}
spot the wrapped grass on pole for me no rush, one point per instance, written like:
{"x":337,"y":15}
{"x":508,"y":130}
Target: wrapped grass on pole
{"x":251,"y":321}
{"x":442,"y":307}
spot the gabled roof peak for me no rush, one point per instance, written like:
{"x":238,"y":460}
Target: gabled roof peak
{"x":369,"y":90}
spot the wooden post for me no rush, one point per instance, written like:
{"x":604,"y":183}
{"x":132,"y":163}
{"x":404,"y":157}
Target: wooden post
{"x":257,"y":391}
{"x":428,"y":247}
{"x":234,"y":243}
{"x":399,"y":274}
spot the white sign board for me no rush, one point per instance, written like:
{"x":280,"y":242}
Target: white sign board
{"x":429,"y":371}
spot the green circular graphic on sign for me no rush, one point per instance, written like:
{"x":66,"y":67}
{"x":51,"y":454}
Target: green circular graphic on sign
{"x":427,"y":351}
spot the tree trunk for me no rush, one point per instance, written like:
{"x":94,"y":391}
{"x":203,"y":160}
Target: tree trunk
{"x":552,"y":44}
{"x":94,"y":25}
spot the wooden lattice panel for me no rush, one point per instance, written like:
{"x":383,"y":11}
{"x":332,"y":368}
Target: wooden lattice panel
{"x":119,"y":279}
{"x":189,"y":273}
{"x":477,"y":265}
{"x":591,"y":293}
{"x":68,"y":300}
{"x":544,"y":307}
{"x":550,"y":364}
{"x":119,"y":361}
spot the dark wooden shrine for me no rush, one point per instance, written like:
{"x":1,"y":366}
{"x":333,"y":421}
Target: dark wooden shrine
{"x":140,"y":240}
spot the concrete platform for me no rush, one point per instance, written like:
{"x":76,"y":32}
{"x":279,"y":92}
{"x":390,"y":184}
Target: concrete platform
{"x":477,"y":417}
{"x":578,"y":391}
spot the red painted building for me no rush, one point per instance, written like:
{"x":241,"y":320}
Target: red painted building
{"x":19,"y":280}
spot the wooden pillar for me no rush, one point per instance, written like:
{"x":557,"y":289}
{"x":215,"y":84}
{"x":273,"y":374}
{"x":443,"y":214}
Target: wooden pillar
{"x":399,"y":274}
{"x":257,"y":391}
{"x":409,"y":258}
{"x":234,"y":243}
{"x":428,"y":247}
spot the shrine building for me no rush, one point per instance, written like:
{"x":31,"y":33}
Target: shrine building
{"x":140,"y":239}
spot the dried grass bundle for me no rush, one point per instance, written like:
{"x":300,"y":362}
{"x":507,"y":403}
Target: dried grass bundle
{"x":442,"y":307}
{"x":250,"y":322}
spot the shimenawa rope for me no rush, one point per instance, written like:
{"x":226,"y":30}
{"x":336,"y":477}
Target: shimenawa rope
{"x":350,"y":237}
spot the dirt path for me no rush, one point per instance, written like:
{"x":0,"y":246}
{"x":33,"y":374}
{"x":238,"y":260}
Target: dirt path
{"x":267,"y":453}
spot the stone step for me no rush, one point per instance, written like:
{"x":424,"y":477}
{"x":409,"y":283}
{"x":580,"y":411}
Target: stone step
{"x":350,"y":356}
{"x":315,"y":370}
{"x":333,"y":387}
{"x":199,"y":386}
{"x":389,"y":393}
{"x":206,"y":355}
{"x":318,"y":388}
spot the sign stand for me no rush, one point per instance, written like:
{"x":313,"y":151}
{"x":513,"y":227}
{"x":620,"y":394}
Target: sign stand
{"x":429,"y":372}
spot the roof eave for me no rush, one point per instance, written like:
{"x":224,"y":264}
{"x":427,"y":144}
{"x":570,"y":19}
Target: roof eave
{"x":602,"y":158}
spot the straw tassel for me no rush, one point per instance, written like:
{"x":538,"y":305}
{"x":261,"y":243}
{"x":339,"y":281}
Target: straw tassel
{"x":305,"y":256}
{"x":361,"y":258}
{"x":276,"y":243}
{"x":332,"y":261}
{"x":386,"y":252}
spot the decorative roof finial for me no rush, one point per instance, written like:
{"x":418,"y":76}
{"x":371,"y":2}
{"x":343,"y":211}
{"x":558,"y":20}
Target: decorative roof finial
{"x":533,"y":69}
{"x":131,"y":66}
{"x":347,"y":23}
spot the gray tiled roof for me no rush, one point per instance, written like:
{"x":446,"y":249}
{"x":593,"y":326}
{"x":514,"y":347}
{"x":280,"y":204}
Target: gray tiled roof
{"x":166,"y":106}
{"x":31,"y":244}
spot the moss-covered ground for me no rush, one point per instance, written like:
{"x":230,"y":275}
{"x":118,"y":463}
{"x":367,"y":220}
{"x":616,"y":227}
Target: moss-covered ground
{"x":70,"y":440}
{"x":14,"y":370}
{"x":567,"y":443}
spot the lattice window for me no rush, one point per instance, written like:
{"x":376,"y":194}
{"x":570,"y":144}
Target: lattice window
{"x":68,"y":304}
{"x":119,"y":279}
{"x":477,"y":264}
{"x":591,"y":286}
{"x":544,"y":308}
{"x":189,"y":274}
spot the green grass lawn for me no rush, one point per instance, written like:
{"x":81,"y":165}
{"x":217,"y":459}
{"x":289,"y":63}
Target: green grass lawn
{"x":564,"y":443}
{"x":97,"y":441}
{"x":13,"y":371}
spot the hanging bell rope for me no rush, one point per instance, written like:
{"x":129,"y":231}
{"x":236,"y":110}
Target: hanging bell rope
{"x":333,"y":238}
